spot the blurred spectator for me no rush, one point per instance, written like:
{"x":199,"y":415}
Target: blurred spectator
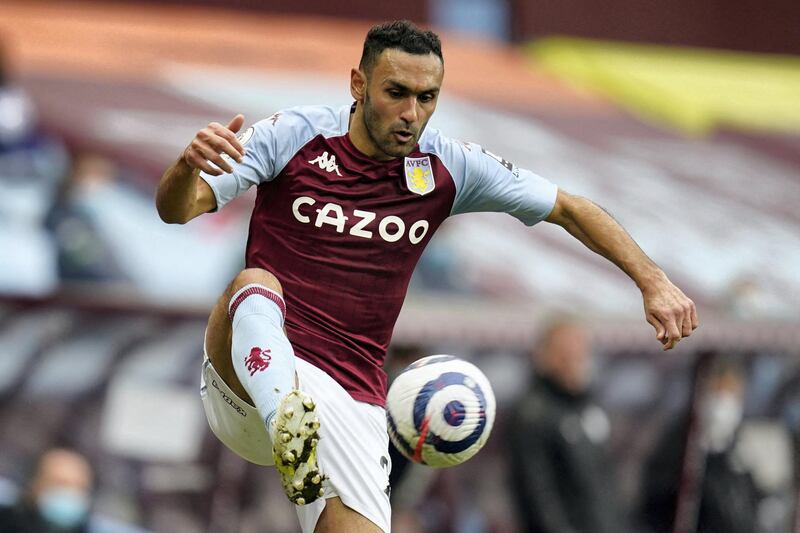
{"x":747,"y":298}
{"x":105,"y":229}
{"x":83,"y":255}
{"x":560,"y":472}
{"x":728,"y":496}
{"x":58,"y":499}
{"x":17,"y":112}
{"x":31,"y":166}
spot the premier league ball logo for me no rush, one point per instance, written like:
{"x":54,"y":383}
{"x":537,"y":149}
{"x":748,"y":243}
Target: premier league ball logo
{"x":440,"y":411}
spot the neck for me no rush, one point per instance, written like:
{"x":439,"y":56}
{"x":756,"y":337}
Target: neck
{"x":361,"y":138}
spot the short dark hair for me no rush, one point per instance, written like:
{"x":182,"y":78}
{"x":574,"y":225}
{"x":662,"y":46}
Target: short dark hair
{"x":401,"y":34}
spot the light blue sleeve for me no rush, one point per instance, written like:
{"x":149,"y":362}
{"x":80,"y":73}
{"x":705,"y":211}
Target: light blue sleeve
{"x":487,"y":182}
{"x":269,"y":145}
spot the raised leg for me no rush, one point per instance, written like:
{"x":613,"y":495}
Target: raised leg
{"x":248,"y":347}
{"x":218,"y":332}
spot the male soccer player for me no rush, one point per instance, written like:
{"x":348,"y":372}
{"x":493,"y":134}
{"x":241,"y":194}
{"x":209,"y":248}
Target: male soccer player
{"x":347,"y":199}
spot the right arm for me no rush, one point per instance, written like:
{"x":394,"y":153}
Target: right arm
{"x":182,"y":194}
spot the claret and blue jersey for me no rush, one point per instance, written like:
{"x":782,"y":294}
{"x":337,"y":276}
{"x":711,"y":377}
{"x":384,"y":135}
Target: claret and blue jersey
{"x":343,"y":232}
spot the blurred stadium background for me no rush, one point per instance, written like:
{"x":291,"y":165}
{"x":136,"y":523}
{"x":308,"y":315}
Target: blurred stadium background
{"x":681,"y":117}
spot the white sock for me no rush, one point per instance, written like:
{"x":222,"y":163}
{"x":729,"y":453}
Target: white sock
{"x":262,"y":356}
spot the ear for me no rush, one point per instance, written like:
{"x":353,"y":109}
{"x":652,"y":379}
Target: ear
{"x":358,"y":85}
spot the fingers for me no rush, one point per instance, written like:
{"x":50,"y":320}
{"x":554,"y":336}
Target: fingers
{"x":201,"y":156}
{"x":678,"y":328}
{"x":661,"y":332}
{"x":672,"y":323}
{"x":670,"y":344}
{"x":195,"y":158}
{"x":216,"y":158}
{"x":673,"y":335}
{"x":672,"y":314}
{"x":220,"y":145}
{"x":236,"y":123}
{"x":686,"y":326}
{"x":693,"y":314}
{"x":216,"y":145}
{"x":688,"y":319}
{"x":667,"y":332}
{"x":225,"y":141}
{"x":221,"y":140}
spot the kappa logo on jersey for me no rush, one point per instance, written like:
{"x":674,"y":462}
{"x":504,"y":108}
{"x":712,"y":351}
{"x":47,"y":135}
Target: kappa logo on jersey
{"x":258,"y":360}
{"x":274,"y":117}
{"x":419,"y":175}
{"x":390,"y":229}
{"x":327,"y":163}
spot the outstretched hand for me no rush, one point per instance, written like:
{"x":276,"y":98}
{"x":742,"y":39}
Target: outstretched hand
{"x":669,"y":311}
{"x":212,"y":143}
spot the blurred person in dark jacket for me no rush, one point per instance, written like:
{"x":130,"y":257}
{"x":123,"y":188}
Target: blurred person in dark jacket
{"x":561,"y":476}
{"x":84,"y":253}
{"x":728,"y":497}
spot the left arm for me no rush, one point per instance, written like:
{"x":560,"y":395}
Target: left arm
{"x":667,"y":309}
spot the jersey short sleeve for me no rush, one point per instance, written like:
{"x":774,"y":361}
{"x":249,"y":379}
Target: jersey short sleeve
{"x":269,"y":145}
{"x":487,"y":182}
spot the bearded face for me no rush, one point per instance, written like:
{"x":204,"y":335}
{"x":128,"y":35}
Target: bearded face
{"x":400,"y":96}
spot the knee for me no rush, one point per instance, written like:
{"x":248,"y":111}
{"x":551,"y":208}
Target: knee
{"x":255,"y":275}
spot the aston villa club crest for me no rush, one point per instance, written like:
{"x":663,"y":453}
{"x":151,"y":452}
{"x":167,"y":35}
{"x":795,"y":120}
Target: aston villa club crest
{"x":258,"y":360}
{"x":419,"y":175}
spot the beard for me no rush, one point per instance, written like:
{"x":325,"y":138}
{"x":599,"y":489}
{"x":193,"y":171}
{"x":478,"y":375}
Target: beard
{"x":382,"y":137}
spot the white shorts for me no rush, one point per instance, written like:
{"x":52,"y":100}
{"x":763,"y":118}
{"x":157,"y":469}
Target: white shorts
{"x":353,"y":446}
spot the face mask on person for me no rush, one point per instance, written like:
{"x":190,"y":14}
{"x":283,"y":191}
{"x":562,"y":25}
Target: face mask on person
{"x":63,"y":508}
{"x":722,"y":415}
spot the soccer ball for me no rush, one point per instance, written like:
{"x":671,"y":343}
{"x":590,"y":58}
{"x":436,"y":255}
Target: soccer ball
{"x":440,"y":411}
